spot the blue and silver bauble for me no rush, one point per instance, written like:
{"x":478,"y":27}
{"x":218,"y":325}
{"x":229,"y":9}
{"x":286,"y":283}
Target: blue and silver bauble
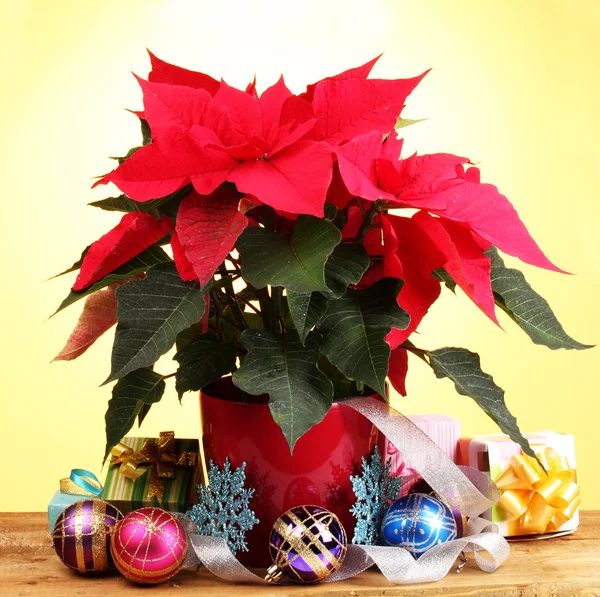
{"x":417,"y":522}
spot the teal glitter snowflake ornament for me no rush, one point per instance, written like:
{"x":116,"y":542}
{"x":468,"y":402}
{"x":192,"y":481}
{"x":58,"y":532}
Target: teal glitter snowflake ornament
{"x":373,"y":489}
{"x":223,"y":506}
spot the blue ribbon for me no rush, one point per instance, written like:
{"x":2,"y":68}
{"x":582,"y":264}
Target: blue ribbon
{"x":80,"y":477}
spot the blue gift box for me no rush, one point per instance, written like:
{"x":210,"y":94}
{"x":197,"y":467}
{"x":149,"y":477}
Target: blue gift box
{"x":59,"y":502}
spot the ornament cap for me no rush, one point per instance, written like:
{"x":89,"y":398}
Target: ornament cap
{"x":274,"y":574}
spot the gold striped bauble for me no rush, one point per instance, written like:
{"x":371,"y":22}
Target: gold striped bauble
{"x":307,"y":544}
{"x":82,"y":535}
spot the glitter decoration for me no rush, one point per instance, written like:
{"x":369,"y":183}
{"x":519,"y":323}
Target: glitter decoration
{"x":82,"y":533}
{"x":421,"y":486}
{"x":374,"y":489}
{"x":223,"y":506}
{"x":418,"y":522}
{"x":307,"y":544}
{"x":149,"y":546}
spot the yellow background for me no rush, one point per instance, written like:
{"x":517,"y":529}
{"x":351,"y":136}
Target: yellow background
{"x":515,"y":86}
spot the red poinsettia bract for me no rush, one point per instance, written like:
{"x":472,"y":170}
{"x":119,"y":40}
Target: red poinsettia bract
{"x":334,"y":143}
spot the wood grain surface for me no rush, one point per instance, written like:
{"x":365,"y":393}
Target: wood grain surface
{"x":561,"y":567}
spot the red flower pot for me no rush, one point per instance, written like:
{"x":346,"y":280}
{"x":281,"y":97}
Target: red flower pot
{"x":316,"y":473}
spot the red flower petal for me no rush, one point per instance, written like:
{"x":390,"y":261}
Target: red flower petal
{"x":392,"y":265}
{"x":251,"y":88}
{"x":184,"y":267}
{"x":295,"y":180}
{"x":439,"y":184}
{"x":163,"y":72}
{"x":295,"y":109}
{"x":350,"y":108}
{"x":398,"y":368}
{"x":359,"y":72}
{"x":353,"y":222}
{"x":356,"y":160}
{"x":392,"y":147}
{"x":207,"y":227}
{"x":161,"y":168}
{"x":99,"y":315}
{"x":281,"y":138}
{"x":420,"y":289}
{"x":337,"y":193}
{"x":244,"y":112}
{"x":173,"y":105}
{"x":271,"y":102}
{"x":135,"y":233}
{"x":465,"y":260}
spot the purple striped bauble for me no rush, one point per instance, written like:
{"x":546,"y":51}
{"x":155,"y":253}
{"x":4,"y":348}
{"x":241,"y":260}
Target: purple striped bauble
{"x":308,"y":544}
{"x":82,"y":535}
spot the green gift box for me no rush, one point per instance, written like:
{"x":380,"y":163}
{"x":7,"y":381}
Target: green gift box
{"x":139,"y":464}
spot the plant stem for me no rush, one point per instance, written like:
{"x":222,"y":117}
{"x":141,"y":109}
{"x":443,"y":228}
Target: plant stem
{"x":246,"y":302}
{"x":232,"y":299}
{"x":367,"y":222}
{"x":422,"y":354}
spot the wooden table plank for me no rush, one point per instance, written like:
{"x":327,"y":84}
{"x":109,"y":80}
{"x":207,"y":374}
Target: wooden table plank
{"x":562,"y":567}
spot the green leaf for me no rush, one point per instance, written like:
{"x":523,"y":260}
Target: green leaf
{"x":306,"y":311}
{"x":144,"y":410}
{"x":167,"y":205}
{"x":330,"y":211}
{"x":131,"y":397}
{"x":404,"y":122}
{"x":202,"y":360}
{"x":296,"y":262}
{"x":139,"y":264}
{"x":527,"y":308}
{"x":278,"y":365}
{"x":146,"y":133}
{"x":356,"y":326}
{"x":463,"y":368}
{"x":75,"y":266}
{"x":346,"y":265}
{"x":443,"y":276}
{"x":122,"y":203}
{"x":150,"y":314}
{"x":343,"y":387}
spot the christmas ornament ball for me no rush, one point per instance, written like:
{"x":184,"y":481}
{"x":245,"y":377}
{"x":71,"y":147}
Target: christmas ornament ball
{"x":421,"y":486}
{"x":307,"y":544}
{"x":149,"y":546}
{"x":418,"y":522}
{"x":82,"y":534}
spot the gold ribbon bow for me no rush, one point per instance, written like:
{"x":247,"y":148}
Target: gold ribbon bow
{"x":158,"y":457}
{"x":540,"y":501}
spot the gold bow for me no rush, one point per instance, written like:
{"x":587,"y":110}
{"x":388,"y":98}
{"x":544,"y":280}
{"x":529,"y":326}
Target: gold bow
{"x":158,"y":457}
{"x":540,"y":501}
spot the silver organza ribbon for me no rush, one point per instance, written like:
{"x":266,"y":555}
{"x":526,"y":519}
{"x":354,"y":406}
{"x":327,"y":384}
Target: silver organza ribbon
{"x":466,"y":489}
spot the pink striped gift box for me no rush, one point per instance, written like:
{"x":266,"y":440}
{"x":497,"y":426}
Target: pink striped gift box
{"x":442,"y":429}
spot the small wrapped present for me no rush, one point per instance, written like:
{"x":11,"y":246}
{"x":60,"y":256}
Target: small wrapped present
{"x":536,"y":499}
{"x":79,"y":485}
{"x":442,"y":429}
{"x":160,"y":472}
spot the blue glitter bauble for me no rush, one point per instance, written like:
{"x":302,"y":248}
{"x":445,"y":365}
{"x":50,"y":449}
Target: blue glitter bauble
{"x":417,"y":522}
{"x":308,"y":544}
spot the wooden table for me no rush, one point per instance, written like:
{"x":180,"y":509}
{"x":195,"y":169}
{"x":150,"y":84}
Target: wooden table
{"x":562,"y":567}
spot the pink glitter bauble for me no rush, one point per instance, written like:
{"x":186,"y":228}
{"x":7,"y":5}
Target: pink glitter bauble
{"x":149,"y":546}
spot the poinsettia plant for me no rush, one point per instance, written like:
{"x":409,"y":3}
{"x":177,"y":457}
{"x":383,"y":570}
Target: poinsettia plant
{"x":285,"y":240}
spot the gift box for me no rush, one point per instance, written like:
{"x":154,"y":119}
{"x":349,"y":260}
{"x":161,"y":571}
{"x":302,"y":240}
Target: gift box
{"x":80,"y":485}
{"x":162,"y":472}
{"x":538,"y":496}
{"x":442,"y":429}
